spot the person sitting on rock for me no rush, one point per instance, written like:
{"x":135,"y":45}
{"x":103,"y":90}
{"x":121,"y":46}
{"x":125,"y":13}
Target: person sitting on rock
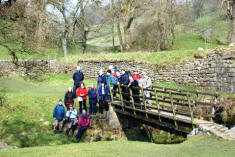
{"x":92,"y":94}
{"x":72,"y":118}
{"x":101,"y":78}
{"x":78,"y":77}
{"x":68,"y":98}
{"x":103,"y":92}
{"x":82,"y":94}
{"x":59,"y":116}
{"x":83,"y":123}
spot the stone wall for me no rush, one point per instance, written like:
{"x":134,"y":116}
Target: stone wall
{"x":32,"y":66}
{"x":216,"y":71}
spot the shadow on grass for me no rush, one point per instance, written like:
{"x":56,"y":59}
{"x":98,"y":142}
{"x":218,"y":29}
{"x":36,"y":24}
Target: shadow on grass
{"x":23,"y":133}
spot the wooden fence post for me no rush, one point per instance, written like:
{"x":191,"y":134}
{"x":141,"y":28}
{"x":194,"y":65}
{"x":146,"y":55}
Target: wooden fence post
{"x":132,"y":101}
{"x":144,"y":100}
{"x":111,"y":92}
{"x":158,"y":105}
{"x":173,"y":110}
{"x":121,"y":98}
{"x":191,"y":110}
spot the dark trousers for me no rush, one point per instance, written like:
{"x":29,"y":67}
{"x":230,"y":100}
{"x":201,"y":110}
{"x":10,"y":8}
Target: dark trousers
{"x":103,"y":104}
{"x":82,"y":105}
{"x":81,"y":130}
{"x":115,"y":87}
{"x":126,"y":95}
{"x":73,"y":128}
{"x":92,"y":108}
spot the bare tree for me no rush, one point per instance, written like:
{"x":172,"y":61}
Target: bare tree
{"x":125,"y":11}
{"x":68,"y":20}
{"x":231,"y":13}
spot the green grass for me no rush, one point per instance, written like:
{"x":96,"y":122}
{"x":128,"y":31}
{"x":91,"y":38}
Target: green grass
{"x":192,"y":88}
{"x":30,"y":105}
{"x":200,"y":146}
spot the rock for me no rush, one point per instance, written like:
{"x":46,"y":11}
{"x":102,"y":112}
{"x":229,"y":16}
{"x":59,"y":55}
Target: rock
{"x":231,"y":45}
{"x":232,"y":128}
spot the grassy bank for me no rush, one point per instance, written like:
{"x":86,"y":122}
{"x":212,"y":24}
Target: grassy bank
{"x":26,"y":117}
{"x":201,"y":146}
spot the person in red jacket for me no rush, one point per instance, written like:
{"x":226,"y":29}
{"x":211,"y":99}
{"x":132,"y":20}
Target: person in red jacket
{"x":82,"y":94}
{"x":136,"y":76}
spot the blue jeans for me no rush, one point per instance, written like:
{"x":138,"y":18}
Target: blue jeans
{"x":81,"y":130}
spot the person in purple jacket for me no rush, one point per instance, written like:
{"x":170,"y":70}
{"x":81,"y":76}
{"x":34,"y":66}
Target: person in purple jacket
{"x":83,"y":123}
{"x":92,"y":94}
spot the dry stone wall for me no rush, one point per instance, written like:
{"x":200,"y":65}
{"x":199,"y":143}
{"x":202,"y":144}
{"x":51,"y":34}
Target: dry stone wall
{"x":215,"y":72}
{"x":32,"y":66}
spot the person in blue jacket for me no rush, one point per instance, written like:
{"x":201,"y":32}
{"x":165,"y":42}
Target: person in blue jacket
{"x":101,"y":79}
{"x":124,"y":82}
{"x":104,"y":97}
{"x":92,"y":94}
{"x":110,"y":79}
{"x":59,"y":116}
{"x":78,"y":77}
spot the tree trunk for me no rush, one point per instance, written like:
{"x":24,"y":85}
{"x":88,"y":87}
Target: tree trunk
{"x":64,"y":46}
{"x":113,"y":39}
{"x":232,"y":35}
{"x":120,"y":36}
{"x":113,"y":22}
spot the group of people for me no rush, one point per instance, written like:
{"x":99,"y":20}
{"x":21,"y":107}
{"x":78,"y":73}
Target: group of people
{"x":97,"y":95}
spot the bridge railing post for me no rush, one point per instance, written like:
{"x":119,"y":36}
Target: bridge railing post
{"x":132,"y":100}
{"x":120,"y":95}
{"x":158,"y":105}
{"x":173,"y":110}
{"x":190,"y":109}
{"x":111,"y":92}
{"x":144,"y":101}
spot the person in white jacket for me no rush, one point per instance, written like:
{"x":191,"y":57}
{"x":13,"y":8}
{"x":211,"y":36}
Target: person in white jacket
{"x":72,"y":117}
{"x":146,"y":82}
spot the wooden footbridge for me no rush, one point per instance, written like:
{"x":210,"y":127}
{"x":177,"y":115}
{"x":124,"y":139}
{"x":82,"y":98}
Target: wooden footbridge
{"x":175,"y":109}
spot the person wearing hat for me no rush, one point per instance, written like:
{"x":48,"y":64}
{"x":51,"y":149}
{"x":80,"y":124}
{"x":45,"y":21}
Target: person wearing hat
{"x":68,"y":98}
{"x":59,"y":116}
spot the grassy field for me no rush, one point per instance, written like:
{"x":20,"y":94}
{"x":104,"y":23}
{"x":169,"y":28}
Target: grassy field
{"x":200,"y":146}
{"x":26,"y":118}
